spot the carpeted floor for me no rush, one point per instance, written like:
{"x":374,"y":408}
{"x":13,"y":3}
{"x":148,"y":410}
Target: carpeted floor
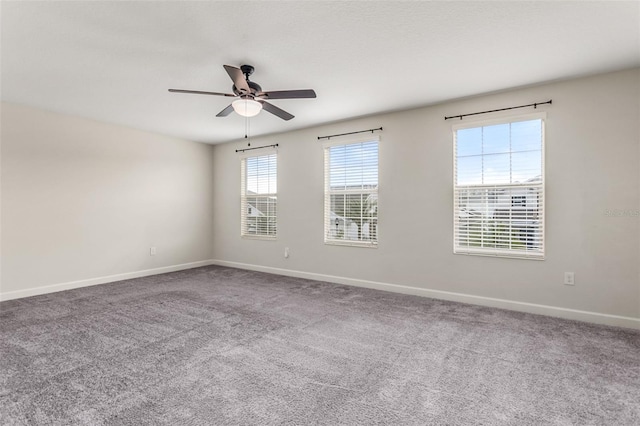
{"x":218,"y":345}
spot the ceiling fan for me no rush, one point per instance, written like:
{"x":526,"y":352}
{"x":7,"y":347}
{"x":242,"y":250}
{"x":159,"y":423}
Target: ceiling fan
{"x":251,"y":98}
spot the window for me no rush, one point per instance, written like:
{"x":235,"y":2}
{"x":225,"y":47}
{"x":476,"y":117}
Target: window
{"x":499,"y":188}
{"x":351,"y":193}
{"x":259,"y":196}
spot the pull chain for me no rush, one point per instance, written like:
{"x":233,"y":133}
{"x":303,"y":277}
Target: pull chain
{"x":247,"y":124}
{"x":246,"y":131}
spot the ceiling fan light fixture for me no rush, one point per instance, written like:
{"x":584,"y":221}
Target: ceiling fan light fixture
{"x":246,"y":107}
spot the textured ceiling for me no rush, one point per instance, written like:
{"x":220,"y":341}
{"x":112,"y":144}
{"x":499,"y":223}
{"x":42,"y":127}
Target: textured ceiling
{"x":114,"y":61}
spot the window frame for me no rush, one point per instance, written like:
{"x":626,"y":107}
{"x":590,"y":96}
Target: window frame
{"x":502,"y":252}
{"x":328,"y":192}
{"x":244,"y":205}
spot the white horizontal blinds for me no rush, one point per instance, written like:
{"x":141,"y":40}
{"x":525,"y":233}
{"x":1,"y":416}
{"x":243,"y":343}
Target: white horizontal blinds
{"x":259,"y":196}
{"x":351,"y":193}
{"x":499,"y":189}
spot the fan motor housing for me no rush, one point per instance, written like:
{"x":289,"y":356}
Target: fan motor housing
{"x":255,"y":88}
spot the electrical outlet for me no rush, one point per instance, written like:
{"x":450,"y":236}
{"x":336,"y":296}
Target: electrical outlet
{"x":286,"y":252}
{"x":569,"y":278}
{"x":153,"y":251}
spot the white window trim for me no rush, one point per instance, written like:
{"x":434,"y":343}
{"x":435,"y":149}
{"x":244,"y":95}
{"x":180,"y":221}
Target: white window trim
{"x":243,"y":157}
{"x":511,"y":253}
{"x":327,"y":203}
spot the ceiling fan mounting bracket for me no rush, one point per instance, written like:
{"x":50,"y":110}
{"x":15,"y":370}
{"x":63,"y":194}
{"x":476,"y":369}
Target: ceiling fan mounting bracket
{"x":247,"y":70}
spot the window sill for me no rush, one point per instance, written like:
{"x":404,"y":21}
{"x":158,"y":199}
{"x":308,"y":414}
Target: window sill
{"x":508,"y":254}
{"x":351,"y":243}
{"x":259,"y":237}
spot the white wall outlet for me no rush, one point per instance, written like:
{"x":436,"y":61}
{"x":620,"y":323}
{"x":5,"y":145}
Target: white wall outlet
{"x":569,"y":278}
{"x":153,"y":251}
{"x":286,"y":252}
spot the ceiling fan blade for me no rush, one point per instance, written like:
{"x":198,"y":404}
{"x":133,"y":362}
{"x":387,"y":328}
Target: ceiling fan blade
{"x":288,"y":94}
{"x":199,"y":92}
{"x":228,"y":110}
{"x":276,"y":111}
{"x":238,"y":79}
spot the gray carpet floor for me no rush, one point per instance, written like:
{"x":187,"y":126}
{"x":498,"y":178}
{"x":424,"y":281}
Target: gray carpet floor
{"x":218,"y":345}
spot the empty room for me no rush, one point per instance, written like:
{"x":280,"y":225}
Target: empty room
{"x":320,"y":212}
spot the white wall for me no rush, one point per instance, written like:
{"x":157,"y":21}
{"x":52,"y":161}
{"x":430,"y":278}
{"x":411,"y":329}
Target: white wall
{"x":592,"y":163}
{"x":83,"y":200}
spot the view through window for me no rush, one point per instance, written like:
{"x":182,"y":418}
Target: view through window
{"x":499,"y":189}
{"x":259,"y":196}
{"x":351,"y":193}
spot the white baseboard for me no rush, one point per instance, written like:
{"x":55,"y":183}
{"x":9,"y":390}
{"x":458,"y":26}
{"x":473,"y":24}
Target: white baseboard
{"x":17,"y":294}
{"x":554,"y":311}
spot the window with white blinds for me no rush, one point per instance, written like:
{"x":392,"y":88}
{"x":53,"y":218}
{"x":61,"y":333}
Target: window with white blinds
{"x":499,"y":188}
{"x":351,"y":193}
{"x":259,"y":196}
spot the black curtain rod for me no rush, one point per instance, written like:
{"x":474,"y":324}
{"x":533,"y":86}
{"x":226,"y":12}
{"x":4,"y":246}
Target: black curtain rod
{"x":535,"y":105}
{"x":257,"y":147}
{"x":350,"y":133}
